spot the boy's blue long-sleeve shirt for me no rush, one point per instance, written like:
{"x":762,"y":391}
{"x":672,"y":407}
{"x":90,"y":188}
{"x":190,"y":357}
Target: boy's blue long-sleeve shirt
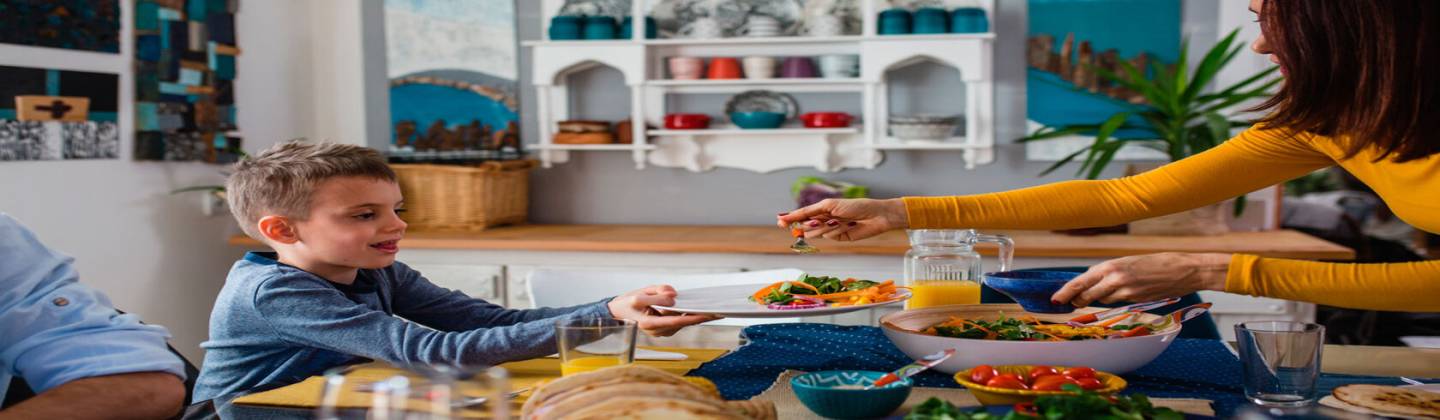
{"x":274,"y":323}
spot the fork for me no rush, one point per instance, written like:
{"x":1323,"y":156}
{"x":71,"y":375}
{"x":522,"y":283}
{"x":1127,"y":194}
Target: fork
{"x":474,"y":401}
{"x":800,"y":246}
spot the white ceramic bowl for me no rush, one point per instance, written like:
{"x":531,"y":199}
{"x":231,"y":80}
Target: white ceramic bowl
{"x":1119,"y":355}
{"x":922,"y":131}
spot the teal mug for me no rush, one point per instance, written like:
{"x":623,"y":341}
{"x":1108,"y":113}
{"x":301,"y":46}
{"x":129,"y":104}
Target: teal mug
{"x":931,"y":20}
{"x":969,"y":20}
{"x":599,"y":27}
{"x":894,"y":22}
{"x":565,"y":27}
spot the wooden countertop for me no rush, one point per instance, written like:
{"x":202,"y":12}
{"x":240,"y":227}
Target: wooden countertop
{"x":772,"y":240}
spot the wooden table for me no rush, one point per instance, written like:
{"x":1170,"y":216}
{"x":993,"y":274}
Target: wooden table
{"x":772,"y":240}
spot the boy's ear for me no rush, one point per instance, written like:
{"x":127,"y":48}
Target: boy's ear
{"x":278,"y":229}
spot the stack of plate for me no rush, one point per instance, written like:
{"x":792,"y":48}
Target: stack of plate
{"x":923,"y":127}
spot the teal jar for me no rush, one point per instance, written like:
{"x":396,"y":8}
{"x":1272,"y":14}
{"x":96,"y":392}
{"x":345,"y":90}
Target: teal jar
{"x":564,"y":28}
{"x":931,"y":20}
{"x":894,"y":22}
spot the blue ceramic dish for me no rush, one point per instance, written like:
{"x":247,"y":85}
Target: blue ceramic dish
{"x":757,"y":119}
{"x":1032,"y":288}
{"x":824,"y":394}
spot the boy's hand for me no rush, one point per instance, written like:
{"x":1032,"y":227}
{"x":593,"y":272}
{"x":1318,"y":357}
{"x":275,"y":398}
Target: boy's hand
{"x":635,"y":306}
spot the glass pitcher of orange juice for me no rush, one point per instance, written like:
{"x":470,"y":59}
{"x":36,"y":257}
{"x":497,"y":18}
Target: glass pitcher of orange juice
{"x":942,"y":267}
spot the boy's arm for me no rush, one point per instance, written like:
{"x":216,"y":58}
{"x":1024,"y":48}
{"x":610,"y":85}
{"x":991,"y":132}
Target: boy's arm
{"x":303,"y":310}
{"x":419,"y":300}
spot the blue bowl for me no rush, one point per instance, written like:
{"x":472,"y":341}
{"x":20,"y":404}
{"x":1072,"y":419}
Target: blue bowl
{"x":1032,"y":288}
{"x":820,"y":393}
{"x":757,"y":119}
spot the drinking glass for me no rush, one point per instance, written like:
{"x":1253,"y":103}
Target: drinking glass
{"x":1281,"y":361}
{"x":592,"y":343}
{"x":420,"y":392}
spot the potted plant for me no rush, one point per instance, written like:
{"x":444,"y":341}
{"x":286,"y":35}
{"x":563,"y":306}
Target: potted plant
{"x":1177,"y":117}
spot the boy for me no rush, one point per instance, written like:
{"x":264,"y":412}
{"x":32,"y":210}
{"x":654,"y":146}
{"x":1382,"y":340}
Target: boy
{"x":332,"y":294}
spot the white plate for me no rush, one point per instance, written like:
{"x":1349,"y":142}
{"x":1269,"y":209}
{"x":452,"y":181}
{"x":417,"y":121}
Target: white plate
{"x":734,"y":302}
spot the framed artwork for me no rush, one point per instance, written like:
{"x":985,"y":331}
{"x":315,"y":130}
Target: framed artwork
{"x":453,"y":73}
{"x":1065,"y":38}
{"x":184,"y":80}
{"x":48,"y":114}
{"x":87,"y":25}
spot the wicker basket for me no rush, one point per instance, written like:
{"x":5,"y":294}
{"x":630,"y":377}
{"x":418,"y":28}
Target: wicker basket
{"x":465,"y":198}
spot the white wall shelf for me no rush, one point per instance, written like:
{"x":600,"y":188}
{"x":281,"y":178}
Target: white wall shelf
{"x":642,"y":62}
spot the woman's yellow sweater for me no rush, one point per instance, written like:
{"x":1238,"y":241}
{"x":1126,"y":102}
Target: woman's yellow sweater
{"x":1257,"y":158}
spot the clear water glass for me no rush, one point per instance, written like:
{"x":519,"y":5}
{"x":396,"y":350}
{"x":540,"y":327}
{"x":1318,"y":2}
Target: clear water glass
{"x":415,"y":393}
{"x":1281,"y":361}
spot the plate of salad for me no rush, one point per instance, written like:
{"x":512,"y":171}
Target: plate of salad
{"x":1083,"y":405}
{"x":806,"y":296}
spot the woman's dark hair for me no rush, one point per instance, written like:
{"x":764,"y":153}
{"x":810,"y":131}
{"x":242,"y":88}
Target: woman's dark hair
{"x":1363,"y":71}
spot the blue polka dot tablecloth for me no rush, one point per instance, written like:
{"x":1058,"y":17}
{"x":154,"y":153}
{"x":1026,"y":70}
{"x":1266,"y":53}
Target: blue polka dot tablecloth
{"x":1189,"y":368}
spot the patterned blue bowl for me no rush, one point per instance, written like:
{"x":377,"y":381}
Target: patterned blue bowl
{"x":826,"y":394}
{"x":1032,"y":288}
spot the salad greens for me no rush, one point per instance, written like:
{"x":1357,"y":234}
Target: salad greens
{"x":1005,"y":328}
{"x":831,"y":284}
{"x":1083,"y":405}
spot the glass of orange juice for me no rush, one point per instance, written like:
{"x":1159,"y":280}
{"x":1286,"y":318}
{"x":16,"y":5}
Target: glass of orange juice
{"x":593,"y":343}
{"x":927,"y":293}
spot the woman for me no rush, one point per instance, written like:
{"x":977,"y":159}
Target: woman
{"x":1360,"y":80}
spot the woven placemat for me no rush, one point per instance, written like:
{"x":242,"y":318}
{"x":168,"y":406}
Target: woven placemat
{"x":788,"y":407}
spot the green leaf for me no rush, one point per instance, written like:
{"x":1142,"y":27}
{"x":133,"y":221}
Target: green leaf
{"x":1048,"y":132}
{"x":1062,"y":162}
{"x":1102,"y":136}
{"x":1239,"y":205}
{"x":1098,"y":165}
{"x":1210,"y":65}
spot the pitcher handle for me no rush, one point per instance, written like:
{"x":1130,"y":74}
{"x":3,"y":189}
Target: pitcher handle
{"x":1007,"y":248}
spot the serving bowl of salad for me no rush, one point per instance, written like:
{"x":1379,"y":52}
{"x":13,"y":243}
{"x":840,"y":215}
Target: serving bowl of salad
{"x":991,"y":334}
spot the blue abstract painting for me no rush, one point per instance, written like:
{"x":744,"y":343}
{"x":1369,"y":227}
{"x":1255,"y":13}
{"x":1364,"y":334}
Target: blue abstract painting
{"x":1068,"y":38}
{"x":453,"y":70}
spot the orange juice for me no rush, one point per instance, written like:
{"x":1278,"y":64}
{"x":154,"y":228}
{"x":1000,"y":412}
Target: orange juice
{"x":929,"y":293}
{"x":586,"y":364}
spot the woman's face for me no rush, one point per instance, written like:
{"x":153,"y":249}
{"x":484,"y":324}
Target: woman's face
{"x":1260,"y":46}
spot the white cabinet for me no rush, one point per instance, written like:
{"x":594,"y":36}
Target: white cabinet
{"x":517,"y":295}
{"x":478,"y":281}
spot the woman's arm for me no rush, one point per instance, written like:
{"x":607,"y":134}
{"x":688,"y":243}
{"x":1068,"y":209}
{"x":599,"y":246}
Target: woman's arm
{"x":1411,"y":286}
{"x":1255,"y":159}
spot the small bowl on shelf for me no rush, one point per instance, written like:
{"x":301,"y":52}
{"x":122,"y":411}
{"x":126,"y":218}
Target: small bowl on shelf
{"x":1032,"y":289}
{"x":687,"y":121}
{"x":825,"y":119}
{"x":989,"y":395}
{"x":840,"y":393}
{"x":923,"y":127}
{"x":757,"y":119}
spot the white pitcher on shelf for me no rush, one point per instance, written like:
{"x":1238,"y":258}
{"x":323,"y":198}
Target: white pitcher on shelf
{"x":760,"y":26}
{"x":702,"y":28}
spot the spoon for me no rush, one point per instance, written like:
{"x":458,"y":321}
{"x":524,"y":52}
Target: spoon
{"x":913,"y":368}
{"x":800,"y":246}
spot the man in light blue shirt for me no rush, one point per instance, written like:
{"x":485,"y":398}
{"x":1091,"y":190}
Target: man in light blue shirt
{"x":81,"y":357}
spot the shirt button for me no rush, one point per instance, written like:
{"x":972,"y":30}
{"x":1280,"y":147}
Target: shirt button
{"x":60,"y":301}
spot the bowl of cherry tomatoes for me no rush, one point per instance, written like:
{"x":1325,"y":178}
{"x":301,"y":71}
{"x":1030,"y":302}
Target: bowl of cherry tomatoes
{"x":1012,"y":384}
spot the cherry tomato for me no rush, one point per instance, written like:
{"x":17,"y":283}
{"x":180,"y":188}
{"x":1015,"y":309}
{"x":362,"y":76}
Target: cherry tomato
{"x":982,"y":374}
{"x":1051,"y":383}
{"x":1079,"y":372}
{"x":1089,"y":383}
{"x":1023,"y":378}
{"x":1042,"y":370}
{"x":1006,"y":381}
{"x":1026,"y":409}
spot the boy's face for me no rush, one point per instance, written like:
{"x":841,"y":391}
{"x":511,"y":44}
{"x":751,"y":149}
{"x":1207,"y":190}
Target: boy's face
{"x":353,"y":223}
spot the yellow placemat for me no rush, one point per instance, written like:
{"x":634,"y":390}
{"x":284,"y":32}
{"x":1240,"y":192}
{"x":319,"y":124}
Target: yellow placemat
{"x":524,"y":374}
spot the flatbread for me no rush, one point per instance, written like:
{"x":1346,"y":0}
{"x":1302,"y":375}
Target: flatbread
{"x":1391,"y":400}
{"x":656,"y":408}
{"x":590,"y":380}
{"x":755,"y":409}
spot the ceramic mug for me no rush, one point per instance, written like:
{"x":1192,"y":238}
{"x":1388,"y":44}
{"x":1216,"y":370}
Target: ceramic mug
{"x":843,"y":66}
{"x":760,"y":26}
{"x":564,"y":28}
{"x":686,"y":68}
{"x":967,"y":20}
{"x":759,"y":67}
{"x":895,"y":22}
{"x":798,"y":67}
{"x":724,"y":68}
{"x":702,"y":28}
{"x":825,"y":25}
{"x":599,"y":27}
{"x":931,"y":20}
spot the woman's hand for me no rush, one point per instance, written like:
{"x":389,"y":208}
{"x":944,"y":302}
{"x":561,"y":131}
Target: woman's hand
{"x":635,"y":306}
{"x":1144,"y":278}
{"x":847,"y":219}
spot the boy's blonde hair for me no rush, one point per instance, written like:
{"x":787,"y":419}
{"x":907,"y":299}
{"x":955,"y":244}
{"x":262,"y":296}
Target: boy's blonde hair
{"x":281,"y":179}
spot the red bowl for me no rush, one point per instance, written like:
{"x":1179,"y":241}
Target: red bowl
{"x":825,"y":119}
{"x":687,"y":121}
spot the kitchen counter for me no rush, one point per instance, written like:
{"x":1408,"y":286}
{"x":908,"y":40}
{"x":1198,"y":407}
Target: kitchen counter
{"x":771,"y":240}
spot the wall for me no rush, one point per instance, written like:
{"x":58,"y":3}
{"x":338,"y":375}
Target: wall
{"x":605,"y":187}
{"x":154,"y":253}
